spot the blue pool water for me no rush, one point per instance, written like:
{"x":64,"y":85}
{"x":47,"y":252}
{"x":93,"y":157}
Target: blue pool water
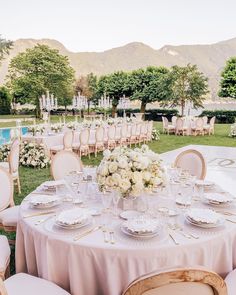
{"x":5,"y":134}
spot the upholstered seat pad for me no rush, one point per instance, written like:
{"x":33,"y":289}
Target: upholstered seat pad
{"x":23,"y":284}
{"x":57,"y":148}
{"x":4,"y":253}
{"x":76,"y":145}
{"x":183,"y":288}
{"x":9,"y":216}
{"x":5,"y":165}
{"x":230,"y":281}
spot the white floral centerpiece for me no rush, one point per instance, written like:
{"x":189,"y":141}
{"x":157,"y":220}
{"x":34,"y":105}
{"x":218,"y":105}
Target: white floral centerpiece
{"x":155,"y":134}
{"x":4,"y":152}
{"x":36,"y":129}
{"x":233,"y":130}
{"x":72,"y":125}
{"x":131,"y":172}
{"x":56,"y":127}
{"x":86,"y":124}
{"x":33,"y":155}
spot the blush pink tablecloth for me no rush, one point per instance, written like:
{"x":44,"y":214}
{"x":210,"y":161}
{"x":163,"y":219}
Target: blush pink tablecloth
{"x":92,"y":267}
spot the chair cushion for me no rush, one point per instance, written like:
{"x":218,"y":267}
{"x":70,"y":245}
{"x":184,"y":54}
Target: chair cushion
{"x":230,"y":281}
{"x":9,"y":216}
{"x":4,"y":165}
{"x":57,"y":148}
{"x":24,"y":284}
{"x":5,"y":253}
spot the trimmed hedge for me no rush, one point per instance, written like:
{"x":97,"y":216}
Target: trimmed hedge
{"x":152,"y":114}
{"x":222,"y":116}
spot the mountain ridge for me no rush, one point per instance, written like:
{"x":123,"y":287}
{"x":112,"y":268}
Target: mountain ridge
{"x":210,"y":58}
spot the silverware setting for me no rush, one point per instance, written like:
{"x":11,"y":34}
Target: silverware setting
{"x":40,"y":221}
{"x":180,"y":230}
{"x":173,"y":239}
{"x":78,"y":237}
{"x":108,"y":236}
{"x":39,"y":213}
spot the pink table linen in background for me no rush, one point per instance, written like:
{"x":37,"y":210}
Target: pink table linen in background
{"x":92,"y":267}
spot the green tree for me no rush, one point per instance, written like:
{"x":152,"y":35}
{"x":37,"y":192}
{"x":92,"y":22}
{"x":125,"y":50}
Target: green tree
{"x":5,"y":101}
{"x":149,"y":85}
{"x":115,"y":86}
{"x":187,"y":84}
{"x":5,"y":46}
{"x":228,"y":79}
{"x":33,"y":72}
{"x":87,"y":86}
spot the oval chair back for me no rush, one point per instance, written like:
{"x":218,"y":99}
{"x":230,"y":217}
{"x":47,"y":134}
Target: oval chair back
{"x":6,"y":189}
{"x":84,"y":137}
{"x":68,"y":140}
{"x":192,"y":161}
{"x":63,"y":163}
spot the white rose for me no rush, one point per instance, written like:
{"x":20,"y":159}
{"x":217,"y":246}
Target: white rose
{"x":113,"y":167}
{"x":137,"y":177}
{"x":137,"y":189}
{"x":110,"y":181}
{"x":106,"y":154}
{"x":122,"y":163}
{"x":103,"y":170}
{"x":146,"y":176}
{"x":125,"y":185}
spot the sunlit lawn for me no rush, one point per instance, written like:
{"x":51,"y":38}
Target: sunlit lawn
{"x":31,"y":178}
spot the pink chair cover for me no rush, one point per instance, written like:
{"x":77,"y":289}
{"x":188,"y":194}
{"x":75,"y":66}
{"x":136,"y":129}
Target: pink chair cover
{"x":6,"y":189}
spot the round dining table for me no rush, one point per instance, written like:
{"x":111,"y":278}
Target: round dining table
{"x":105,"y":260}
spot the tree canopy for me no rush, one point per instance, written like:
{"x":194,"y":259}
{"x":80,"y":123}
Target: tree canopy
{"x":187,"y":84}
{"x":33,"y":72}
{"x":5,"y":101}
{"x":228,"y":79}
{"x":115,"y":86}
{"x":150,"y":85}
{"x":5,"y":46}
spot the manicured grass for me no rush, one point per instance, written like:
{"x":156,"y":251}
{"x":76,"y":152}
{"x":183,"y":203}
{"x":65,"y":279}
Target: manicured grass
{"x":31,"y":178}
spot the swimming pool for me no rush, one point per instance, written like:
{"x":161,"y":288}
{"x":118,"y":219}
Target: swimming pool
{"x":5,"y":134}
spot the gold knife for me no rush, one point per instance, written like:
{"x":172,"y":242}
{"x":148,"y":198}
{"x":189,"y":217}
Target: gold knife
{"x":38,"y":213}
{"x":76,"y":238}
{"x":173,"y":239}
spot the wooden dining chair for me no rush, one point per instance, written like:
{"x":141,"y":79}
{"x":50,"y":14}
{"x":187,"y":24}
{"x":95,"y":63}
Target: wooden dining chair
{"x":67,"y":143}
{"x":83,"y":147}
{"x":8,"y":211}
{"x":5,"y":253}
{"x":12,"y":165}
{"x":192,"y":161}
{"x":111,"y":137}
{"x":189,"y":281}
{"x":63,"y":163}
{"x":230,"y":281}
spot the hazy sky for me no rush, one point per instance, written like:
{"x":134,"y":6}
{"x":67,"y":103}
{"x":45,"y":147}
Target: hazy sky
{"x":97,"y":25}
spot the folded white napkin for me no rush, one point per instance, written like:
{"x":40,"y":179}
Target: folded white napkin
{"x":73,"y":216}
{"x":203,"y":216}
{"x":140,"y":225}
{"x":43,"y":199}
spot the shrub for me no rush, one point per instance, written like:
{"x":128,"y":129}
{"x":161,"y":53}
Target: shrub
{"x":5,"y":101}
{"x":152,"y":114}
{"x":222,"y":116}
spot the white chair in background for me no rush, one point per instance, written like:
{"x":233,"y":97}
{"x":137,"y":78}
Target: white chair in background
{"x":205,"y":120}
{"x":111,"y":137}
{"x":99,"y":143}
{"x":166,"y":127}
{"x":63,"y":163}
{"x":180,"y":128}
{"x":138,"y":132}
{"x":198,"y":127}
{"x":133,"y":136}
{"x":12,"y":166}
{"x":173,"y":120}
{"x":83,"y":147}
{"x":8,"y":210}
{"x":143,"y":135}
{"x":123,"y":135}
{"x":5,"y":253}
{"x":67,"y":143}
{"x":192,"y":161}
{"x":149,"y":130}
{"x":183,"y":281}
{"x":210,"y":128}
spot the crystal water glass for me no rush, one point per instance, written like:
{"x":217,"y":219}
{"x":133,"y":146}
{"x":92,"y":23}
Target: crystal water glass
{"x":116,"y":197}
{"x":106,"y":200}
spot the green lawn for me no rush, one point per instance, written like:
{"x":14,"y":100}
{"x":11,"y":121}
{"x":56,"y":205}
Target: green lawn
{"x":31,"y":178}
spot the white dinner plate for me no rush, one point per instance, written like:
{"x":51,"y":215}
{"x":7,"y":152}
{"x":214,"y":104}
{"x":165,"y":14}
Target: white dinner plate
{"x":129,"y":214}
{"x":138,"y":235}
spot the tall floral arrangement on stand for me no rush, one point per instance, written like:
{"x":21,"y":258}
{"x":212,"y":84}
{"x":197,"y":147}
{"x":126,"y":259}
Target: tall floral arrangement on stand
{"x":4,"y":152}
{"x":131,"y":172}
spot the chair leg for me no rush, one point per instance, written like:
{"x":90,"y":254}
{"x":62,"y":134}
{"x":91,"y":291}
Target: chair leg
{"x":18,"y":185}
